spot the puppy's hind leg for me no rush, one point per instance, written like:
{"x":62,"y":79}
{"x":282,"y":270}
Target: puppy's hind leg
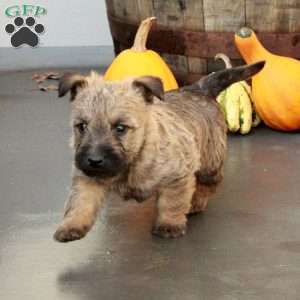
{"x":173,"y":205}
{"x":81,"y":210}
{"x":205,"y":188}
{"x":201,"y":197}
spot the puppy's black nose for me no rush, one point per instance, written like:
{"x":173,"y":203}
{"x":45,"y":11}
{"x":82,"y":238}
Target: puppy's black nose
{"x":96,"y":162}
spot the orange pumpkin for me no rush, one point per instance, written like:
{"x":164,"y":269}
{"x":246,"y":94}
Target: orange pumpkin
{"x":276,"y":89}
{"x":139,"y":61}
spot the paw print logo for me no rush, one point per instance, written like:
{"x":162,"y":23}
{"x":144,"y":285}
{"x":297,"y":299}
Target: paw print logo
{"x":24,"y":32}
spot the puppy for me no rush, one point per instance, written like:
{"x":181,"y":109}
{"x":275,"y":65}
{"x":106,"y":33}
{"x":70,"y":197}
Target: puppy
{"x":132,"y":138}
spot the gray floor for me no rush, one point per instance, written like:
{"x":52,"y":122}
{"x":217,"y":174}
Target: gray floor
{"x":246,"y":246}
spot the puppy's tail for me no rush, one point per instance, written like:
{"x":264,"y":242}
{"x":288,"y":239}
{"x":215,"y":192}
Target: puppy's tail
{"x":216,"y":82}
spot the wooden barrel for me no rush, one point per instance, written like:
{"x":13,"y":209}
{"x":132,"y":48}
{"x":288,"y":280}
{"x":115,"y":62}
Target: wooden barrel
{"x":189,"y":33}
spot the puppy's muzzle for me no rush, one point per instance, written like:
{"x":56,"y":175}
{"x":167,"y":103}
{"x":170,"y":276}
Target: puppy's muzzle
{"x":100,"y":162}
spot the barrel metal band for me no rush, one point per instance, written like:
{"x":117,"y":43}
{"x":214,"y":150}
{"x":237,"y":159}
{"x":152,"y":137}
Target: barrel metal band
{"x":201,"y":44}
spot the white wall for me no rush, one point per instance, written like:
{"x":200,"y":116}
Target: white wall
{"x":67,"y":23}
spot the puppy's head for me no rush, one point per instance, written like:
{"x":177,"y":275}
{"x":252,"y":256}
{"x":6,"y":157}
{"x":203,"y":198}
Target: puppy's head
{"x":109,"y":120}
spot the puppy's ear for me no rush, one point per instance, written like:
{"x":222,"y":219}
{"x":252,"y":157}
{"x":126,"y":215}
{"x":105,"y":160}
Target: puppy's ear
{"x":150,"y":86}
{"x":71,"y":83}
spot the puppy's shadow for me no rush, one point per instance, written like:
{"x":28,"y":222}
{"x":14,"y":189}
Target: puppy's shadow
{"x":86,"y":273}
{"x":127,"y":262}
{"x":119,"y":249}
{"x":86,"y":281}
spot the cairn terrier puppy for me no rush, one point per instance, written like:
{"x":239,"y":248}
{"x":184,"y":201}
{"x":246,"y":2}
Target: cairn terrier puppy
{"x":132,"y":138}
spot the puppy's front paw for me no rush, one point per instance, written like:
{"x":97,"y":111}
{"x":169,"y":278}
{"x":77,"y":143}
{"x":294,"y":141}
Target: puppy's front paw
{"x":169,"y":231}
{"x":66,"y":233}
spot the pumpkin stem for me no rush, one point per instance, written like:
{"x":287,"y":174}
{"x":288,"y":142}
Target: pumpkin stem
{"x":244,"y":32}
{"x":225,"y":59}
{"x":249,"y":46}
{"x":141,"y":36}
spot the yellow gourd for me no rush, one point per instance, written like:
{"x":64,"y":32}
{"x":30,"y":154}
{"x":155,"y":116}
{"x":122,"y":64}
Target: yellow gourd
{"x":236,"y":102}
{"x":139,"y":61}
{"x":276,"y":89}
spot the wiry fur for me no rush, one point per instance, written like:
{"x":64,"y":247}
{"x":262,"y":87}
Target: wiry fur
{"x":173,"y":151}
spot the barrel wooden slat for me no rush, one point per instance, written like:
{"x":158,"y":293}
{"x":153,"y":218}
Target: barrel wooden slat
{"x":169,"y":13}
{"x":127,"y":10}
{"x":178,"y":63}
{"x":273,"y":15}
{"x":225,"y":15}
{"x":110,"y":7}
{"x":145,"y":9}
{"x":197,"y":65}
{"x":193,"y":16}
{"x":177,"y":14}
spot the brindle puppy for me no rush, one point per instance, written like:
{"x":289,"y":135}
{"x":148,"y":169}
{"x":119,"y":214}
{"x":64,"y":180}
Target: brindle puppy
{"x":132,"y":138}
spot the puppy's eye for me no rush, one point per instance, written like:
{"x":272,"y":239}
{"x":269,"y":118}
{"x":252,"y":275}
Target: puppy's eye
{"x":81,"y":127}
{"x":120,"y":129}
